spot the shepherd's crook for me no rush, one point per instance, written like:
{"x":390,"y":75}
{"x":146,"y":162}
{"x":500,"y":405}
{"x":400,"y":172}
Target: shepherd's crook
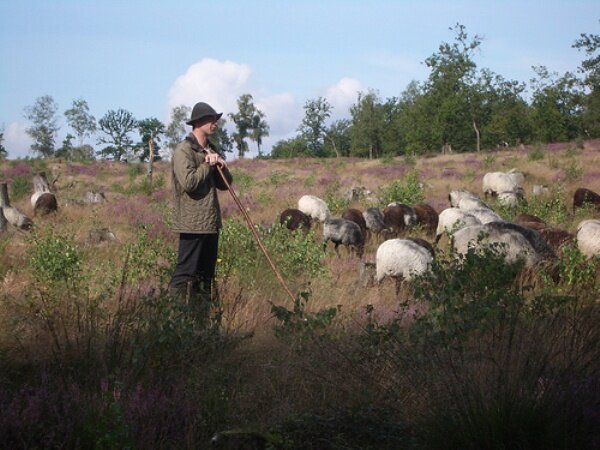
{"x":256,"y":235}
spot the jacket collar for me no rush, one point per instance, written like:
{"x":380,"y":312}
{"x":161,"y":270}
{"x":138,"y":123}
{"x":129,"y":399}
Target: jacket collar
{"x":196,"y":145}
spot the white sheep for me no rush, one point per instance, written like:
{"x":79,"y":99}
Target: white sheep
{"x":515,"y":244}
{"x":401,"y":259}
{"x":510,"y":198}
{"x":455,"y":196}
{"x":495,"y":183}
{"x":314,"y":207}
{"x":452,"y":220}
{"x":588,"y":237}
{"x":468,"y":203}
{"x":485,"y":215}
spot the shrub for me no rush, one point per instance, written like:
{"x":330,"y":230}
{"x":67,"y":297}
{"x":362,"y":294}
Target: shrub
{"x":408,"y":191}
{"x":536,"y":154}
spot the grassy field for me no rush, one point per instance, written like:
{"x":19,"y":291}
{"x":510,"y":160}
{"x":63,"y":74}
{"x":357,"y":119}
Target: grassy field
{"x":94,"y":354}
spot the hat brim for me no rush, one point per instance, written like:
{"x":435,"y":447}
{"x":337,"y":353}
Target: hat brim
{"x":191,"y":122}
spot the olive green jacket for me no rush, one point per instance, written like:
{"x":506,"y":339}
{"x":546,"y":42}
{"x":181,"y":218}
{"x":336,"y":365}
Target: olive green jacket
{"x":195,"y":183}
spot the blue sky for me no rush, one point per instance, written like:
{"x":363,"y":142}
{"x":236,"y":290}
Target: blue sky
{"x":149,"y":56}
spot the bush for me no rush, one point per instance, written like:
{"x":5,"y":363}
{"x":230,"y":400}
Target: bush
{"x":497,"y":364}
{"x":408,"y":191}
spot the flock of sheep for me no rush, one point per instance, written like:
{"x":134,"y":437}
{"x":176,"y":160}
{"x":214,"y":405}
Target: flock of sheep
{"x":469,"y":222}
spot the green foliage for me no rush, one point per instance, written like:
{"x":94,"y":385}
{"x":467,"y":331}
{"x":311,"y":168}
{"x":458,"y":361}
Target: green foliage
{"x":334,"y":201}
{"x":44,"y":125}
{"x":488,"y":160}
{"x":552,"y":209}
{"x":20,"y":187}
{"x":312,"y":129}
{"x":243,"y":180}
{"x":54,"y":258}
{"x":536,"y":154}
{"x":295,"y":254}
{"x":408,"y":191}
{"x":298,"y":322}
{"x":116,"y":127}
{"x":573,"y":171}
{"x":278,"y":178}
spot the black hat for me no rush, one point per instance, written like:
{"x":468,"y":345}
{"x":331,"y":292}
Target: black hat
{"x":202,"y":110}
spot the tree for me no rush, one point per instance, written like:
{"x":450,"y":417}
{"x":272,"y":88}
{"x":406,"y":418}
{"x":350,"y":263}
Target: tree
{"x":312,"y":129}
{"x":44,"y":125}
{"x":175,"y":131}
{"x":221,"y":138}
{"x":3,"y":152}
{"x":288,"y":148}
{"x":80,"y":119}
{"x":337,"y":139}
{"x":243,"y":121}
{"x":556,"y":106}
{"x":367,"y":125}
{"x":116,"y":125}
{"x":150,"y":129}
{"x":454,"y":102}
{"x":260,"y":129}
{"x":590,"y":67}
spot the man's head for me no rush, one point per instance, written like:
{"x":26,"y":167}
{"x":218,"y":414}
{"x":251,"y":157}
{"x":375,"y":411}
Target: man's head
{"x":203,"y":113}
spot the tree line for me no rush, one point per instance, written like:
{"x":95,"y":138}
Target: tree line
{"x":458,"y":108}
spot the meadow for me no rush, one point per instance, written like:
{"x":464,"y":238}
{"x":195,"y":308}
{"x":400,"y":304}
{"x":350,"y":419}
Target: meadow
{"x":478,"y":354}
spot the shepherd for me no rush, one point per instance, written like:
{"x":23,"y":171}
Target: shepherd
{"x":198,"y":169}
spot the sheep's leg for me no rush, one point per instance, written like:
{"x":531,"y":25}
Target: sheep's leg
{"x":398,"y":284}
{"x":337,"y":252}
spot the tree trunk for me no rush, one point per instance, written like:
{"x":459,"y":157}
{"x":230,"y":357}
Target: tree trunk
{"x":40,"y":183}
{"x":4,"y":201}
{"x":478,"y":136}
{"x":371,"y":151}
{"x":150,"y":157}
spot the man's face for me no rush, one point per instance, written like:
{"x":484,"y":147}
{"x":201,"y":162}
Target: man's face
{"x":209,"y":125}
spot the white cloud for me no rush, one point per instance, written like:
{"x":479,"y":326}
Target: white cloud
{"x":220,"y":83}
{"x":215,"y":82}
{"x":343,"y":95}
{"x":16,"y":140}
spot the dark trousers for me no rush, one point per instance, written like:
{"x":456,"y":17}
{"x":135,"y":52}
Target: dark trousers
{"x":196,"y":260}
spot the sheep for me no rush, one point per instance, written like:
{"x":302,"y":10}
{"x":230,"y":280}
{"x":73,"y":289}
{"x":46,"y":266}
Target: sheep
{"x":556,"y":238}
{"x":374,"y":220}
{"x":13,"y":216}
{"x":3,"y":221}
{"x":314,"y":207}
{"x":293,"y":219}
{"x":93,"y":198}
{"x":588,"y":237}
{"x":533,"y":237}
{"x":539,"y":189}
{"x":517,"y":246}
{"x":583,"y":195}
{"x":357,"y":217}
{"x":455,"y":196}
{"x":495,"y":183}
{"x":398,"y":217}
{"x":401,"y":259}
{"x":345,"y":232}
{"x":511,"y":198}
{"x":427,"y":217}
{"x":453,"y":219}
{"x":485,"y":215}
{"x":469,"y":203}
{"x":530,"y":221}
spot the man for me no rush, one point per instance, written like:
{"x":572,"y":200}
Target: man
{"x":196,"y":211}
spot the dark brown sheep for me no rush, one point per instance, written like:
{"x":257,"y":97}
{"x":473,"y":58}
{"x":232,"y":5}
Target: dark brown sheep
{"x":530,"y":221}
{"x":556,"y":238}
{"x":583,"y":195}
{"x":357,"y":217}
{"x":294,"y":218}
{"x":427,"y":217}
{"x":397,"y":218}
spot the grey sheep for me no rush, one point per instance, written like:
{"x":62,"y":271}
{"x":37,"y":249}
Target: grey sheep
{"x":344,"y":232}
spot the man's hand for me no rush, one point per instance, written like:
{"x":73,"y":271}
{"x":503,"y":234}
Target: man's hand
{"x":213,"y":159}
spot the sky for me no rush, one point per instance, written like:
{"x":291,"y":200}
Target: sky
{"x":150,"y":56}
